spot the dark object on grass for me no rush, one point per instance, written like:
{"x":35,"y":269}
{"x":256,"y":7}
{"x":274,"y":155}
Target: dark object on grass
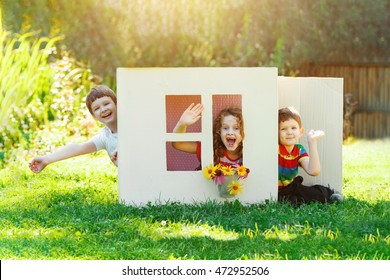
{"x":298,"y":194}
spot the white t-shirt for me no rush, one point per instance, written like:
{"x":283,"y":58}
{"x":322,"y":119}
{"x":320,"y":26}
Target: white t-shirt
{"x":106,"y":140}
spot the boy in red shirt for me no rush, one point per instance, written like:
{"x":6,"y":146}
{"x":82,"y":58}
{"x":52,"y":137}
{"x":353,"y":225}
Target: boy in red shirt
{"x":291,"y":155}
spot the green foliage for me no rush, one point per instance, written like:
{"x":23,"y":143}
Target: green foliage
{"x":24,"y":70}
{"x":71,"y":211}
{"x":37,"y":93}
{"x":286,"y":34}
{"x":25,"y":75}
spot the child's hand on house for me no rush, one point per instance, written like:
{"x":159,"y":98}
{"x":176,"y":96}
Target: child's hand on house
{"x":314,"y":135}
{"x":114,"y":158}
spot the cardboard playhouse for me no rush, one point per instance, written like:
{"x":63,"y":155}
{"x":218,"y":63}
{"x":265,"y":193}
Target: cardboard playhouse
{"x":151,"y":101}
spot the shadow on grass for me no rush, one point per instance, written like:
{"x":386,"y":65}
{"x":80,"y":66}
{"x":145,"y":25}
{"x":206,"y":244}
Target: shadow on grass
{"x":77,"y":225}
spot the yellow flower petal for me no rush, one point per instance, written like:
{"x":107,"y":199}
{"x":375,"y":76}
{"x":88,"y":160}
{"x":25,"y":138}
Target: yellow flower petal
{"x":209,"y":171}
{"x":227,"y":170}
{"x":235,"y":188}
{"x":241,"y":170}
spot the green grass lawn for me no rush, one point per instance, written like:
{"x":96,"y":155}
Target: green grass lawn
{"x":71,"y":211}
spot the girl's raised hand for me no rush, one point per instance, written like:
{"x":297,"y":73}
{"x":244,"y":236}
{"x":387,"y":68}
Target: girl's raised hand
{"x":191,"y":115}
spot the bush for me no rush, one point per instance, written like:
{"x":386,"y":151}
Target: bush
{"x":40,"y":91}
{"x":148,"y":33}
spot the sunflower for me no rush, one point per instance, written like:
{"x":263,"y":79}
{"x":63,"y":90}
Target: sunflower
{"x":242,"y":171}
{"x":219,"y":177}
{"x":227,"y":170}
{"x":235,"y":188}
{"x":209,"y":171}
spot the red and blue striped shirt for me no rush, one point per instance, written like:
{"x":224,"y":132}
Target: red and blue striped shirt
{"x":288,"y":163}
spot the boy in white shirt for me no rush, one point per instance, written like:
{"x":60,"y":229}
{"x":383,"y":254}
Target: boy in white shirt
{"x":102,"y":104}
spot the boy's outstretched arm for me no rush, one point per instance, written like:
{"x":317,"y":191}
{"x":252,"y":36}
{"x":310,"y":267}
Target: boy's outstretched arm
{"x":71,"y":150}
{"x":190,"y":116}
{"x":312,"y":164}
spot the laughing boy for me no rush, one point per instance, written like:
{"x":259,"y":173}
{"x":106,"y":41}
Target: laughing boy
{"x":102,"y":104}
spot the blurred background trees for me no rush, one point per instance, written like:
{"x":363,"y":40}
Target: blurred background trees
{"x":76,"y":44}
{"x":130,"y":33}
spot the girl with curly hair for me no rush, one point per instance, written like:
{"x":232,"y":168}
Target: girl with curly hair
{"x":228,"y":134}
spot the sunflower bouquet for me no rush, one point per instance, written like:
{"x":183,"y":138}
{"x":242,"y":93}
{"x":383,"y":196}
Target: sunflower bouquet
{"x":227,"y":178}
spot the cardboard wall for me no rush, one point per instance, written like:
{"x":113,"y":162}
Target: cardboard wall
{"x":151,"y":100}
{"x":144,"y":131}
{"x":320,"y":103}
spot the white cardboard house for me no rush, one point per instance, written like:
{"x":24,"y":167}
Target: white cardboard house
{"x":151,"y":100}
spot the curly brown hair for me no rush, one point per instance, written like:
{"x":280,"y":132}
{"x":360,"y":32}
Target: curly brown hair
{"x":219,"y":147}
